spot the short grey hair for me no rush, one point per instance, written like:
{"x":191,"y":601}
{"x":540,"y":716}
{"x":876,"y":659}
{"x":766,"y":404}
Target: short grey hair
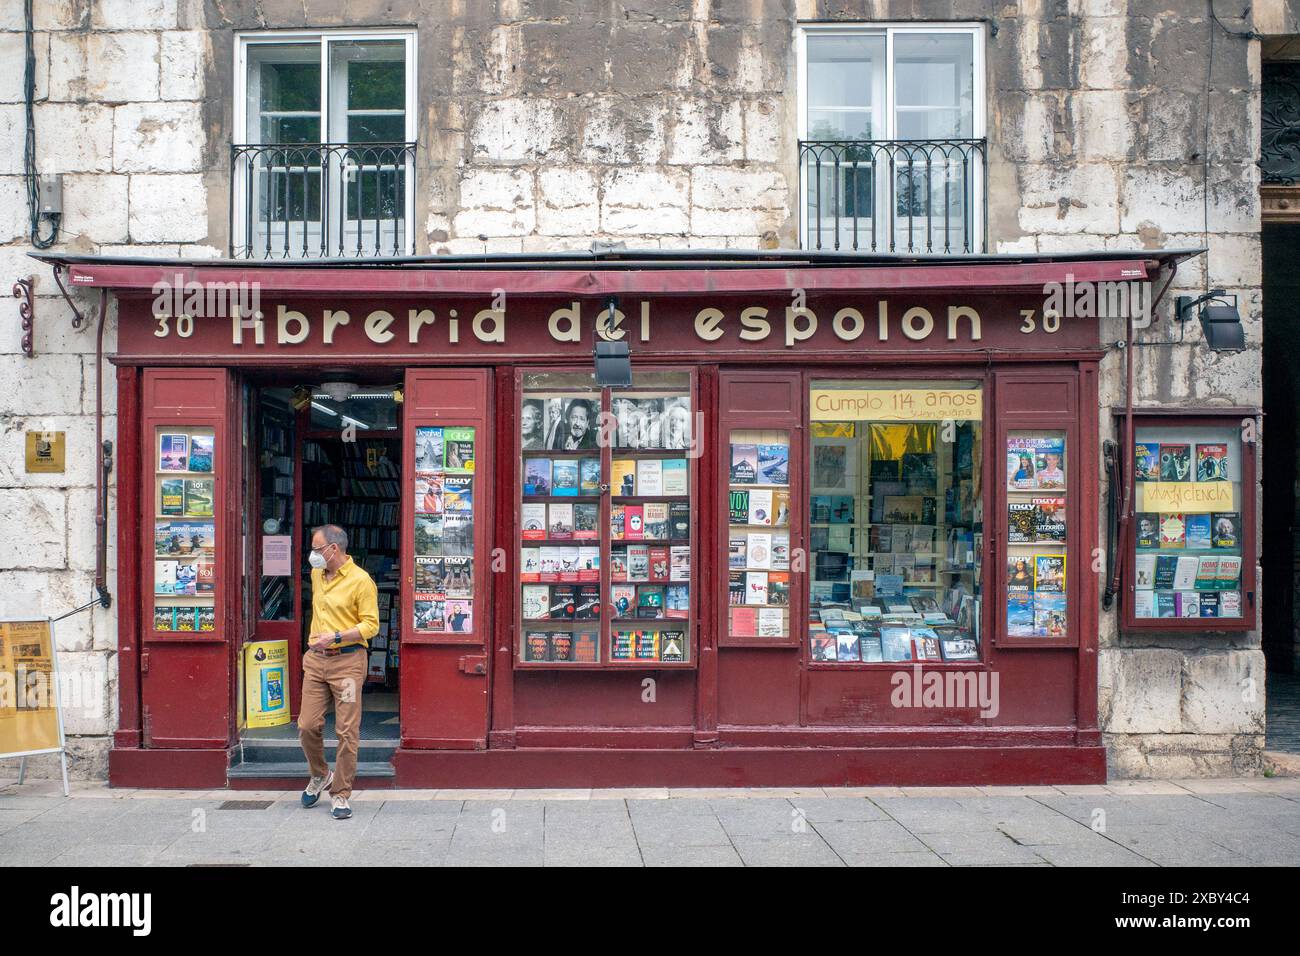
{"x":333,"y":534}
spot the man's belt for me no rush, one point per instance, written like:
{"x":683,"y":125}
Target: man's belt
{"x":336,"y":651}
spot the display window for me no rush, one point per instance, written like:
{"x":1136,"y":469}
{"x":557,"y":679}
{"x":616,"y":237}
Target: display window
{"x":606,"y":483}
{"x":1191,"y":545}
{"x":895,"y":521}
{"x":443,"y":490}
{"x":1037,"y":593}
{"x":758,"y":539}
{"x":184,"y":528}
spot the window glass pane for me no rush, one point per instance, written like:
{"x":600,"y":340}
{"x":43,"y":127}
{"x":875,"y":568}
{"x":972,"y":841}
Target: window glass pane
{"x":275,"y":425}
{"x":934,"y":81}
{"x":369,"y":128}
{"x":378,"y":84}
{"x":845,"y":80}
{"x":1189,"y":530}
{"x":895,"y":521}
{"x":282,"y":78}
{"x":290,"y":129}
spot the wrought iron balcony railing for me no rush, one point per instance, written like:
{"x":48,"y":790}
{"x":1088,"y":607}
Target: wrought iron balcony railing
{"x":912,"y":196}
{"x":316,"y":200}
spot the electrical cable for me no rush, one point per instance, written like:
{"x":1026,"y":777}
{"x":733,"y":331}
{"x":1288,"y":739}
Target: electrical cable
{"x":29,"y":146}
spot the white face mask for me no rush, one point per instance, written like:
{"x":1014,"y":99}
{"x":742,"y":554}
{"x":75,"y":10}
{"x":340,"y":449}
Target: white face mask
{"x":316,"y":559}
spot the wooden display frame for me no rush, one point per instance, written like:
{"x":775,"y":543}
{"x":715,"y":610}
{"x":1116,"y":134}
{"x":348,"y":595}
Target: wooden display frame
{"x":1183,"y":420}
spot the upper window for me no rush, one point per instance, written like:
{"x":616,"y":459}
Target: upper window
{"x":891,"y":126}
{"x":326,"y":162}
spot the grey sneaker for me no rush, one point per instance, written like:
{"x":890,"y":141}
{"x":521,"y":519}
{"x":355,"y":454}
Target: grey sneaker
{"x":315,"y":787}
{"x":341,"y":809}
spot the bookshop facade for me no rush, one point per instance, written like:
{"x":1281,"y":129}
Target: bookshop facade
{"x":840,"y":535}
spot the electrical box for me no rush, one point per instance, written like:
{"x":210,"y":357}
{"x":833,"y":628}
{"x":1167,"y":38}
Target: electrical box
{"x":50,"y":193}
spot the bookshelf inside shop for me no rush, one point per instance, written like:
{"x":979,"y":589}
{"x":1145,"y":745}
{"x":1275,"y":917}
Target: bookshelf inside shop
{"x":355,"y":485}
{"x":185,"y":537}
{"x":605,"y":525}
{"x":895,"y":533}
{"x":276,"y":427}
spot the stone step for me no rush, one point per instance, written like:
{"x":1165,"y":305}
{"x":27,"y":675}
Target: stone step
{"x":297,"y":770}
{"x":280,"y":751}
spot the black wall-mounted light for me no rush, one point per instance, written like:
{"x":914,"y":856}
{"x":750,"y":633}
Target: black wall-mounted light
{"x":1220,"y":320}
{"x":613,"y":359}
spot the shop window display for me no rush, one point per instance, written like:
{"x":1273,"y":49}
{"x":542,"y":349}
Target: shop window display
{"x":605,"y":521}
{"x":1037,"y":596}
{"x":1189,"y":535}
{"x":896,"y":522}
{"x":184,"y":584}
{"x":445,"y":491}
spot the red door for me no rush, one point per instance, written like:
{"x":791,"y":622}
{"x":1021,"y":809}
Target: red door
{"x":190,"y":560}
{"x":447,"y":475}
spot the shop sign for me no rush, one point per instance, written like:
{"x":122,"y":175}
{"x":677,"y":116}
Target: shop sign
{"x":46,"y":453}
{"x":896,"y":404}
{"x":1199,"y":497}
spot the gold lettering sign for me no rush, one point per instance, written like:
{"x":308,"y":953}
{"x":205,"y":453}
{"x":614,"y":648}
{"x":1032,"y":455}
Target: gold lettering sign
{"x":1189,"y":497}
{"x":46,"y":453}
{"x":896,"y":404}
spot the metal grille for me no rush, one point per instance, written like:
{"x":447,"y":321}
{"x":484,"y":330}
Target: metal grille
{"x":321,"y":200}
{"x":916,"y":196}
{"x":246,"y":805}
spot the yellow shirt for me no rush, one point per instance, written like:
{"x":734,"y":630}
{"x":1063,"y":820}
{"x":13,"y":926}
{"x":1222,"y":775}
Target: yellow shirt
{"x":347,"y":600}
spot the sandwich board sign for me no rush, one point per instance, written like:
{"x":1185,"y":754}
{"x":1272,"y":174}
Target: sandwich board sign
{"x":30,"y":719}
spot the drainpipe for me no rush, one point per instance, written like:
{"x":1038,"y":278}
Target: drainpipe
{"x":104,"y":465}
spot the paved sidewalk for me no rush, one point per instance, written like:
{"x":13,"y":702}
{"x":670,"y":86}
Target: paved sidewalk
{"x":1236,"y":822}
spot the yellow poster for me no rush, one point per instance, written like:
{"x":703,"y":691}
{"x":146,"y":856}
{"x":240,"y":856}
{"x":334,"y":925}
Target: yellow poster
{"x":29,"y":707}
{"x":1188,"y":497}
{"x":266,"y":677}
{"x":896,"y":404}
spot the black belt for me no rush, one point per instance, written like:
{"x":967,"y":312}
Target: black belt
{"x":336,"y":651}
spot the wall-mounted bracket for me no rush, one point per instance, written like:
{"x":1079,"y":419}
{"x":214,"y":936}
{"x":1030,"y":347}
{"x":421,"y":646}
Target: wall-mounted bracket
{"x":22,"y":291}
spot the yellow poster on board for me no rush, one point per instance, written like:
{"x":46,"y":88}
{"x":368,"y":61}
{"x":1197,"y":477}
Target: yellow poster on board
{"x":266,"y":675}
{"x":29,"y":707}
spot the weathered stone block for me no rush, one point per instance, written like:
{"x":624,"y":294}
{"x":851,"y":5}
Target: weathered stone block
{"x":158,"y":137}
{"x":13,"y":63}
{"x":168,"y":208}
{"x":104,"y":67}
{"x":625,"y":130}
{"x":569,"y":202}
{"x":96,"y":208}
{"x":181,"y":76}
{"x":519,"y":130}
{"x":495,"y":202}
{"x":74,"y":138}
{"x":705,"y":131}
{"x":1069,"y":199}
{"x":1223,"y":693}
{"x":133,"y":14}
{"x":33,"y":525}
{"x":1140,"y":690}
{"x":86,"y":693}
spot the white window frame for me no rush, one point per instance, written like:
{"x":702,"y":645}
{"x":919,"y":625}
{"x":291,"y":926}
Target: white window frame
{"x":329,"y":113}
{"x":805,"y":29}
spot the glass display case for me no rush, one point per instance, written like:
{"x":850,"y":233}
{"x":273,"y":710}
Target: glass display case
{"x":1191,"y":561}
{"x":184,"y":579}
{"x":1037,"y":594}
{"x":606,"y":481}
{"x":758,"y":539}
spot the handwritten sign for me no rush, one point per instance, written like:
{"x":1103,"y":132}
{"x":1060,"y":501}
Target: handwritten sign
{"x":1188,"y":497}
{"x":896,"y":404}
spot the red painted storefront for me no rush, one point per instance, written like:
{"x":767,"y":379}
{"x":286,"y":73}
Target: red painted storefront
{"x":736,"y":711}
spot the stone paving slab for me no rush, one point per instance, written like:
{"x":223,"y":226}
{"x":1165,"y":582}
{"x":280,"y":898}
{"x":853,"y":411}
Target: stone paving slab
{"x":1237,"y":822}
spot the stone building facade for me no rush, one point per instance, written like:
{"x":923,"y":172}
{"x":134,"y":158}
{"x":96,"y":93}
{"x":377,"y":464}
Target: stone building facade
{"x":545,"y":125}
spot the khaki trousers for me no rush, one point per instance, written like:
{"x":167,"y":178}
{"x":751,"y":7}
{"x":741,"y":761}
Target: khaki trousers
{"x":338,"y":678}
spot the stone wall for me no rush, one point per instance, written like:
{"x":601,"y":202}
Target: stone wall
{"x":545,"y":124}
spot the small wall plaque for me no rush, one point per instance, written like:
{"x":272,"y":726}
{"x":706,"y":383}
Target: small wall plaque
{"x":46,"y":452}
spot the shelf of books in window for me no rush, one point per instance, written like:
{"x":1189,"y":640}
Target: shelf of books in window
{"x":1188,"y":568}
{"x":758,"y":540}
{"x":907,"y":531}
{"x":445,"y":605}
{"x":184,"y":538}
{"x":1037,"y":609}
{"x":607,"y":530}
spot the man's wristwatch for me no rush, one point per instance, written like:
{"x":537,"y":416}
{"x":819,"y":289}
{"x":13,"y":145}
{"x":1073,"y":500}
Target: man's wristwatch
{"x":338,"y":638}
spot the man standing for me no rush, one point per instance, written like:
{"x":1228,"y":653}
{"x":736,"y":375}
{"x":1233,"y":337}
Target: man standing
{"x":344,"y":617}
